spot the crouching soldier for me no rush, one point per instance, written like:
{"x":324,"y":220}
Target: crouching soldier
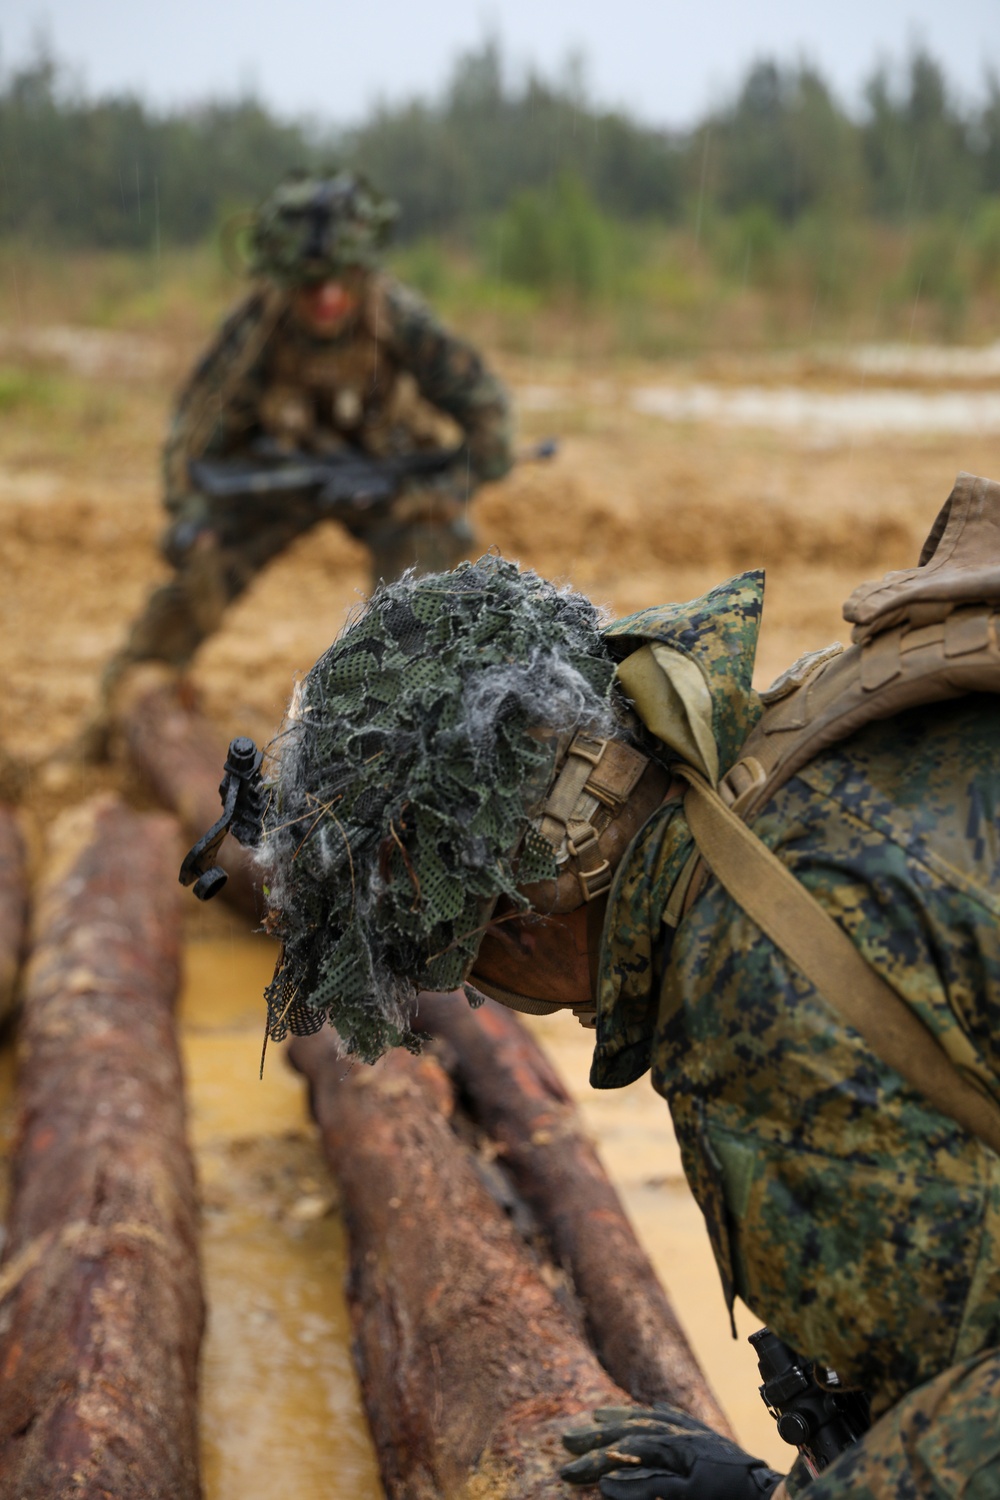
{"x":785,"y":907}
{"x":326,"y":363}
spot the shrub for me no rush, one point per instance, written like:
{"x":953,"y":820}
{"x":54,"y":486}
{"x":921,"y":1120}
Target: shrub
{"x":556,"y":241}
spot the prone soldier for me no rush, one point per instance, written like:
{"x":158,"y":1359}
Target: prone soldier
{"x":784,"y":907}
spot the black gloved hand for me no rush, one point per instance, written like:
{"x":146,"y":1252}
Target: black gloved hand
{"x":659,"y":1453}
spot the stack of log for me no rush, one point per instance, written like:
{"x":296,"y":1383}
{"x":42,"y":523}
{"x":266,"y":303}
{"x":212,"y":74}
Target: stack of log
{"x":100,"y":1296}
{"x":180,"y":757}
{"x":521,"y":1104}
{"x":13,"y":905}
{"x":496,"y":1289}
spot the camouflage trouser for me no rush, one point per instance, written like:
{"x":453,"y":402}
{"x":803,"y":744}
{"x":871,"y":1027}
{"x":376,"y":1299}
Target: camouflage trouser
{"x":427,"y":529}
{"x":940,"y":1442}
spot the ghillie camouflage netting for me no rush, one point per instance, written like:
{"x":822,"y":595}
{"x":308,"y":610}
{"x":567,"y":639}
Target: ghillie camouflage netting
{"x":401,"y":786}
{"x":311,"y":228}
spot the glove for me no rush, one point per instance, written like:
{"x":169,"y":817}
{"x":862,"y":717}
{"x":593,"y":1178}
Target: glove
{"x":659,"y":1453}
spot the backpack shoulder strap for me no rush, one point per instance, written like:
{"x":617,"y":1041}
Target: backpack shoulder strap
{"x":920,"y":636}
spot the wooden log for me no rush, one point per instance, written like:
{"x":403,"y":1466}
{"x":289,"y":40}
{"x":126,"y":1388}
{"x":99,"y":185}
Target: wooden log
{"x":101,"y":1307}
{"x":181,"y":757}
{"x":13,"y":905}
{"x":519,"y":1100}
{"x":470,"y":1364}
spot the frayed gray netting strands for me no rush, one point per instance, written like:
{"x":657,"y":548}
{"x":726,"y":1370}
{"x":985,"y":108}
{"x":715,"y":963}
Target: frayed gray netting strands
{"x":401,"y":784}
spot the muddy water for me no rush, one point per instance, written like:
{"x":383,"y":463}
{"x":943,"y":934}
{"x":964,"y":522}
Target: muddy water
{"x":632,"y":1130}
{"x":792,"y":410}
{"x":281,"y":1409}
{"x":830,"y":414}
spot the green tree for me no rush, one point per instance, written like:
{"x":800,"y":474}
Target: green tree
{"x":489,"y":137}
{"x":784,"y":145}
{"x":986,"y":135}
{"x":917,"y":148}
{"x":556,"y":241}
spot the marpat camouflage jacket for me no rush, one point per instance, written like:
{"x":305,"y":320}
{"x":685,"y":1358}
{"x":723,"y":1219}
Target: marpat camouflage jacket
{"x":855,"y":1220}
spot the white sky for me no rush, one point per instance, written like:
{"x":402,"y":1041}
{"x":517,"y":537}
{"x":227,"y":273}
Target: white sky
{"x":666,"y":61}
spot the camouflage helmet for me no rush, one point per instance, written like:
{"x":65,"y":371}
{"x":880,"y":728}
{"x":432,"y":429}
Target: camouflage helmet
{"x":311,"y":228}
{"x":403,"y":784}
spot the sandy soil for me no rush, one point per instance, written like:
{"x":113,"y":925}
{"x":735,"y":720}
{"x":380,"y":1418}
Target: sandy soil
{"x":635,"y":510}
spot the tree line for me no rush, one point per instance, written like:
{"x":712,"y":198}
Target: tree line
{"x":111,"y":172}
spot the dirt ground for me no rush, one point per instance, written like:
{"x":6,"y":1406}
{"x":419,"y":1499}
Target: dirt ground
{"x":634,"y":510}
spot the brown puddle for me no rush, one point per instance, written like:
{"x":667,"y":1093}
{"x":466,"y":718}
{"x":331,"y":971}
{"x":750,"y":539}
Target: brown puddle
{"x":281,"y":1411}
{"x":636,"y":1141}
{"x":281,"y":1414}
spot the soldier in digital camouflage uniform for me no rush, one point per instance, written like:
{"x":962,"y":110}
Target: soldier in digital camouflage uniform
{"x":326,"y":351}
{"x":855,"y":1220}
{"x":852,"y":1216}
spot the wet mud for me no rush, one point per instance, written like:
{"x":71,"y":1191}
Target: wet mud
{"x":645,"y":502}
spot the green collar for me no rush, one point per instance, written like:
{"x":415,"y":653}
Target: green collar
{"x":718,"y":634}
{"x":688,"y":669}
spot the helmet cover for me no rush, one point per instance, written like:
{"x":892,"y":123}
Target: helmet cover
{"x":402,"y":786}
{"x":311,"y":229}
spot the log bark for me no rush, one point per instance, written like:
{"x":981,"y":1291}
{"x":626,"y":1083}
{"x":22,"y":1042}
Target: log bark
{"x":13,"y":905}
{"x":470,"y":1365}
{"x":101,"y":1307}
{"x":519,"y":1100}
{"x":181,"y":757}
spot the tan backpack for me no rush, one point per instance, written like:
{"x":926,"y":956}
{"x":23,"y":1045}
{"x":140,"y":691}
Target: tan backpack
{"x":920,"y":636}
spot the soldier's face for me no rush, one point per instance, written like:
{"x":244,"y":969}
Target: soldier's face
{"x":326,"y":308}
{"x":551,"y":958}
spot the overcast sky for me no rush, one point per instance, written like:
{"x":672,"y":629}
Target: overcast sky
{"x":664,"y":60}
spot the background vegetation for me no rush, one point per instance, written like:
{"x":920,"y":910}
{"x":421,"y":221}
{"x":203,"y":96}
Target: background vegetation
{"x":781,"y":215}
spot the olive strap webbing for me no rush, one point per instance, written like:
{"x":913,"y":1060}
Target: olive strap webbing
{"x":806,"y":933}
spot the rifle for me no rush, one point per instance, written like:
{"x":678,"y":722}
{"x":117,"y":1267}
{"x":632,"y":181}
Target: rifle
{"x":344,"y":483}
{"x":820,"y":1420}
{"x":346,"y":479}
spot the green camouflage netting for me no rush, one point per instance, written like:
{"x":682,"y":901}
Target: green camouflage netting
{"x":401,"y":785}
{"x":311,"y":228}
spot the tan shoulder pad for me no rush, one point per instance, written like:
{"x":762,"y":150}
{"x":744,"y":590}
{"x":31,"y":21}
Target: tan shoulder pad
{"x":959,"y":564}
